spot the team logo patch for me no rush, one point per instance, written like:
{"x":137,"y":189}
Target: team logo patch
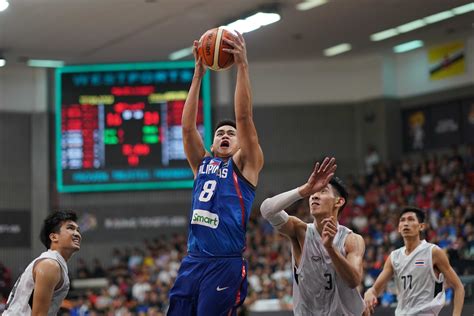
{"x":419,"y":262}
{"x":205,"y":218}
{"x":215,"y":162}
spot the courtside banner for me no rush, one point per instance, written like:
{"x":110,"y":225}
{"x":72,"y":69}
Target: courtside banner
{"x":416,"y":123}
{"x":445,"y":125}
{"x":15,"y":229}
{"x":124,"y":224}
{"x":447,"y":60}
{"x":468,"y":121}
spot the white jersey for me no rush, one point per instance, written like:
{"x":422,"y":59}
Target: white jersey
{"x":420,"y":292}
{"x":317,"y":289}
{"x":18,"y":301}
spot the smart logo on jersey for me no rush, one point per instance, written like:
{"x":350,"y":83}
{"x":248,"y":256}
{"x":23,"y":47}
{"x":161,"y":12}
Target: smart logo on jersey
{"x":419,"y":262}
{"x":205,"y":218}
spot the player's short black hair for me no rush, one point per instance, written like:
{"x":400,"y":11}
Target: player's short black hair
{"x":225,"y":122}
{"x":340,"y":190}
{"x":418,"y":212}
{"x":52,"y":224}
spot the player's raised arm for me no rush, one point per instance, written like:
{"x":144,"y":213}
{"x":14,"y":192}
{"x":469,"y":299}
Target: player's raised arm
{"x":441,"y":262}
{"x":47,"y":275}
{"x":273,"y":209}
{"x":250,"y":156}
{"x":192,"y":141}
{"x":370,"y":296}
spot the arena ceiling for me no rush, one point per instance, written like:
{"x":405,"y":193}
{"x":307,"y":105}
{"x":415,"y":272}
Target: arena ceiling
{"x":93,"y":31}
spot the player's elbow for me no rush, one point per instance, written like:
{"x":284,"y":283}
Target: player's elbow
{"x":188,"y":128}
{"x":353,"y":284}
{"x":459,"y":288}
{"x":355,"y":281}
{"x":265,"y":208}
{"x":243,"y":117}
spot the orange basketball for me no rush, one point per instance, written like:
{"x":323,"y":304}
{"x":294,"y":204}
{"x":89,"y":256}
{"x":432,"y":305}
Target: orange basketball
{"x":210,"y":49}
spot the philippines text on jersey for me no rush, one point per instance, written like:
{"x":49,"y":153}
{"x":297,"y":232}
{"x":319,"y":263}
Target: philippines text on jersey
{"x":213,"y":168}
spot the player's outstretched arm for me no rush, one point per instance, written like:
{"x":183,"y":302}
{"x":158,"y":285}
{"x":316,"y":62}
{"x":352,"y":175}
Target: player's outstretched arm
{"x":192,"y":141}
{"x":441,"y":262}
{"x":272,"y":209}
{"x":47,"y":275}
{"x":370,"y":296}
{"x":250,"y":156}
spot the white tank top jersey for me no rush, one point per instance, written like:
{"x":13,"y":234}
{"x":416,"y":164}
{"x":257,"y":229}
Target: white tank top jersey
{"x":317,"y":289}
{"x":18,"y":301}
{"x":420,"y":292}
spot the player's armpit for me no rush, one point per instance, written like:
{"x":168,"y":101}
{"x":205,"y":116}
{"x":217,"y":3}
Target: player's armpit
{"x":249,"y":161}
{"x":47,"y":275}
{"x":194,"y":149}
{"x":295,"y":230}
{"x":293,"y":227}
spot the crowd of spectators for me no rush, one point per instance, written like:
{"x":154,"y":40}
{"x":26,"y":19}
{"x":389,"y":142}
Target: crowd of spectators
{"x":139,"y":279}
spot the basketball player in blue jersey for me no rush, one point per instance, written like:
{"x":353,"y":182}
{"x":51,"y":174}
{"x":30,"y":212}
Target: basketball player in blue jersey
{"x":212,"y":279}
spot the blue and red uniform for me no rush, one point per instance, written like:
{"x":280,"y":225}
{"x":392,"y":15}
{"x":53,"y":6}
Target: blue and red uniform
{"x":212,"y":279}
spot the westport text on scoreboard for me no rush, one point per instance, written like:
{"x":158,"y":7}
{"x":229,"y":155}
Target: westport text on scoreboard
{"x":118,"y":127}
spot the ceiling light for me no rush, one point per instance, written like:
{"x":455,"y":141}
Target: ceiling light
{"x":439,"y":17}
{"x":181,"y":53}
{"x":3,"y":5}
{"x":464,"y":8}
{"x":338,"y":49}
{"x":309,"y":4}
{"x":383,"y":35}
{"x":411,"y":26}
{"x":44,"y":63}
{"x":254,"y":22}
{"x":2,"y":61}
{"x":434,"y":18}
{"x":405,"y":47}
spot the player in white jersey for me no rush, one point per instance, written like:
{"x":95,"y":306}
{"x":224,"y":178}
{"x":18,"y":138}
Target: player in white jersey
{"x":419,"y":269}
{"x":327,"y":257}
{"x":44,"y":284}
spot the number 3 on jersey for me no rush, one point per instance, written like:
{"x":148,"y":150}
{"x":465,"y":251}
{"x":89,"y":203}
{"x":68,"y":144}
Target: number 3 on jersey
{"x":207,"y":190}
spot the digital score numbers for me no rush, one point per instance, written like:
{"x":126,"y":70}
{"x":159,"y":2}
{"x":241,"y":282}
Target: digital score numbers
{"x":118,"y":127}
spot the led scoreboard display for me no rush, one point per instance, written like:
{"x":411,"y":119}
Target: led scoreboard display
{"x":118,"y":127}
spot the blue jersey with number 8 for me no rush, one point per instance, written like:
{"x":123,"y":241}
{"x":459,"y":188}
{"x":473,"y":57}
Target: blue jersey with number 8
{"x":222,"y":201}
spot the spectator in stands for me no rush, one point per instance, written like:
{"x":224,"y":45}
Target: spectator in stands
{"x":5,"y":280}
{"x":98,"y":271}
{"x":82,"y":272}
{"x":372,"y":159}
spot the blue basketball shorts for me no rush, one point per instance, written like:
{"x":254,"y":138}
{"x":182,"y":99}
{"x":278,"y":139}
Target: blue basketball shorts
{"x":209,"y":286}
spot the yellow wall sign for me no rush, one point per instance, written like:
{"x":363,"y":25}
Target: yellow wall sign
{"x":447,"y":60}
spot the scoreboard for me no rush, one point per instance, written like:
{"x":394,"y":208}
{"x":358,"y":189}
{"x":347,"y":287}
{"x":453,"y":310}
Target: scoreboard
{"x":118,"y":127}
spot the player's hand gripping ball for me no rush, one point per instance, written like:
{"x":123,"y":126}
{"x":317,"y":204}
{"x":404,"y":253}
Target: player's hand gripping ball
{"x":210,"y":48}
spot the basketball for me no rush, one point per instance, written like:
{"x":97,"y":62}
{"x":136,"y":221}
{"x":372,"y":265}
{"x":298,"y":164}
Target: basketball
{"x":210,"y":48}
